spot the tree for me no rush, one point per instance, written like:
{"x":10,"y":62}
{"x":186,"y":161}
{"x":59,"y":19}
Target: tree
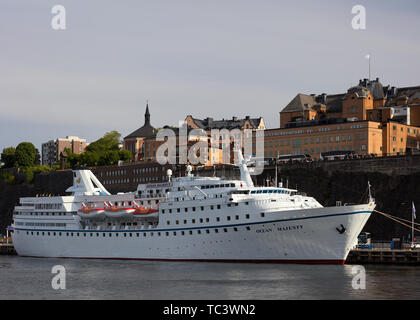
{"x":25,"y":154}
{"x":8,"y":157}
{"x":103,"y":152}
{"x":110,"y":141}
{"x":125,"y":155}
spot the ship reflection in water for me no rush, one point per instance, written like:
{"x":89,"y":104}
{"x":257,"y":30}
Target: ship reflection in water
{"x":30,"y":278}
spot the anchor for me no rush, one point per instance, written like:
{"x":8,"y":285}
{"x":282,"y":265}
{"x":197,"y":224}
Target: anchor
{"x":342,"y":230}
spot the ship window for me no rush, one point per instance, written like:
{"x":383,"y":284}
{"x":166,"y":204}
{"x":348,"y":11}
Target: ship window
{"x":225,"y":230}
{"x":186,"y":209}
{"x":218,"y":206}
{"x":228,"y":218}
{"x":191,"y":232}
{"x":116,"y":234}
{"x":167,"y":233}
{"x":174,"y":233}
{"x":159,"y":234}
{"x":110,"y":235}
{"x":168,"y":222}
{"x":125,"y":234}
{"x":103,"y":234}
{"x":247,"y":216}
{"x":193,"y":220}
{"x":207,"y":219}
{"x":262,"y":214}
{"x":185,"y":221}
{"x":199,"y":231}
{"x":248,"y":228}
{"x":202,"y":208}
{"x":201,"y":220}
{"x":183,"y":233}
{"x":178,"y":210}
{"x":237,"y":217}
{"x":193,"y":208}
{"x":235,"y":229}
{"x":216,"y":230}
{"x":211,"y":207}
{"x":177,"y":222}
{"x":207,"y":231}
{"x":163,"y":211}
{"x":217,"y":219}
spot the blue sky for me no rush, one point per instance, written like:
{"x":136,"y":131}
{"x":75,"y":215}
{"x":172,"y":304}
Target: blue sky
{"x":205,"y":58}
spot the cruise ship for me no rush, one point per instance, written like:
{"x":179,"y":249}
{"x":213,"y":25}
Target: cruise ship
{"x":189,"y":218}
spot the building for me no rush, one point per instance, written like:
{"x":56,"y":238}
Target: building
{"x":209,"y":123}
{"x":368,"y":119}
{"x":52,"y":149}
{"x":212,"y":155}
{"x":134,"y":142}
{"x":128,"y":176}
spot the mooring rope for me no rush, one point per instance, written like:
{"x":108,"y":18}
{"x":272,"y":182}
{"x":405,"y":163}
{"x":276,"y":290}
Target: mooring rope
{"x":396,"y":220}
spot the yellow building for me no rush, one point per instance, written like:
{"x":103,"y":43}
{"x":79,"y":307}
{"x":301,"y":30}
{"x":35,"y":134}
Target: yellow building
{"x":368,"y":119}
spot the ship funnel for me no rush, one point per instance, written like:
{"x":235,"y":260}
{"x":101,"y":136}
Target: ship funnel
{"x":85,"y":183}
{"x":245,"y":176}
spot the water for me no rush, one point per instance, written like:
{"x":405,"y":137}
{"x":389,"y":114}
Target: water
{"x":30,"y":278}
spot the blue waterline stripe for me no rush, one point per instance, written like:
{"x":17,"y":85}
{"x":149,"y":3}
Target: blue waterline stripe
{"x":201,"y":228}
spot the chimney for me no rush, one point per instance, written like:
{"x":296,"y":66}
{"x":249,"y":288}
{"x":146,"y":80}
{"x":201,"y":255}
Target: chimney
{"x":234,"y":118}
{"x":210,"y":122}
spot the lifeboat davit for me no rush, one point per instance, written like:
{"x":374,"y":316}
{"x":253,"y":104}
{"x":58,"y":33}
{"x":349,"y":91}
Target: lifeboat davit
{"x":90,"y":212}
{"x":117,"y":212}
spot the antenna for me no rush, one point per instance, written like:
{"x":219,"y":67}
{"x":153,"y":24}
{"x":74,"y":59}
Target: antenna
{"x":370,"y":193}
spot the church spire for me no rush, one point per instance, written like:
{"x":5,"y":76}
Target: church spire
{"x":147,"y":114}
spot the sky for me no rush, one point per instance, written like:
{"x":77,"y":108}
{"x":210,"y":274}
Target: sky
{"x":187,"y":57}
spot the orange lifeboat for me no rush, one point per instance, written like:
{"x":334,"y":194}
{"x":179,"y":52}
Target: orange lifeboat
{"x":116,"y":211}
{"x":90,"y":212}
{"x":139,"y":211}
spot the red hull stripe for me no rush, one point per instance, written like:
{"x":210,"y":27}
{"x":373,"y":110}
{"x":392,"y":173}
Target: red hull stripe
{"x":282,"y":261}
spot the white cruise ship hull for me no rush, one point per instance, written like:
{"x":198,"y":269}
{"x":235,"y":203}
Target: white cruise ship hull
{"x":319,"y":235}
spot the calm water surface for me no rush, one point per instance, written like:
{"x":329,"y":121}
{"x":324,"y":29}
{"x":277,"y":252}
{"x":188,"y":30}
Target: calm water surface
{"x":30,"y":278}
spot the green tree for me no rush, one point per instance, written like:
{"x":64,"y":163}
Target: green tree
{"x":103,"y":152}
{"x":8,"y":157}
{"x":125,"y":155}
{"x":25,"y":154}
{"x":110,"y":141}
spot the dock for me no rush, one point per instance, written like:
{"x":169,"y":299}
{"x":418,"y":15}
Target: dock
{"x":7,"y":249}
{"x":384,"y":256}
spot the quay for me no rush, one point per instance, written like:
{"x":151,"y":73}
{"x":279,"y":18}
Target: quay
{"x":384,"y":256}
{"x":7,"y":249}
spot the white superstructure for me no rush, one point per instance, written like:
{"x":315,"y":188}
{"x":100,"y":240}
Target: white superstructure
{"x":189,"y":218}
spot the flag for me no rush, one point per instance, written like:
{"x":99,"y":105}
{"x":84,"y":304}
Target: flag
{"x":414,"y":211}
{"x":367,"y":56}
